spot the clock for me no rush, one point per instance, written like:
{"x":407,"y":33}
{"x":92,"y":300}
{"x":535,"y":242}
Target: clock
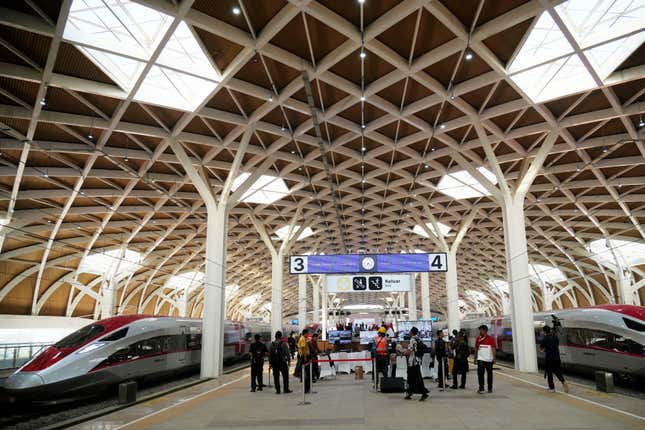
{"x":368,"y":263}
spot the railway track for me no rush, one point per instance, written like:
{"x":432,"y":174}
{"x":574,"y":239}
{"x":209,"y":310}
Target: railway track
{"x":53,"y":415}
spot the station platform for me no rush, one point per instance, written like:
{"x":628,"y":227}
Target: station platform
{"x":518,"y":401}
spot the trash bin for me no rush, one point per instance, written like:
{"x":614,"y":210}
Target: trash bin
{"x":604,"y":381}
{"x":127,"y":392}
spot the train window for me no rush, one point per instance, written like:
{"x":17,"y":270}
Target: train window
{"x":604,"y":340}
{"x":119,"y":334}
{"x":79,"y":337}
{"x":194,"y":341}
{"x":634,"y":325}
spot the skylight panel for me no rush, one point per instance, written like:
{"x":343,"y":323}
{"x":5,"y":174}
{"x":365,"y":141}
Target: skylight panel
{"x":186,"y":280}
{"x":477,"y":296}
{"x":500,"y":286}
{"x":462,"y":185}
{"x":628,"y":253}
{"x":555,"y":79}
{"x":548,"y":274}
{"x":266,"y":190}
{"x":594,"y":22}
{"x":120,"y":37}
{"x":110,"y":264}
{"x":607,"y":57}
{"x":545,"y":42}
{"x":120,"y":69}
{"x":250,"y":300}
{"x":281,"y":233}
{"x":116,"y":25}
{"x":608,"y":31}
{"x":183,"y":52}
{"x":443,"y":229}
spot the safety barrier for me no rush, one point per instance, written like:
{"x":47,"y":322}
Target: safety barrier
{"x":14,"y":355}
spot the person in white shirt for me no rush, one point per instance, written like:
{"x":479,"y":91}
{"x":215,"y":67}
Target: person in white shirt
{"x":485,"y":356}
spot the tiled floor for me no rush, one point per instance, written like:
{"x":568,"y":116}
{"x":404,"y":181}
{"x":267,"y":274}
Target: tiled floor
{"x":348,"y":404}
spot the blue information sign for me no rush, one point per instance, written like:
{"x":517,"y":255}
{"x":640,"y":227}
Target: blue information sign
{"x":367,"y":263}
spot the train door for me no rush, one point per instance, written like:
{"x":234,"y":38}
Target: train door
{"x":182,"y":353}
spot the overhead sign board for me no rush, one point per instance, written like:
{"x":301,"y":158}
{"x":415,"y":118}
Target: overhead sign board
{"x":367,"y":263}
{"x":363,"y":283}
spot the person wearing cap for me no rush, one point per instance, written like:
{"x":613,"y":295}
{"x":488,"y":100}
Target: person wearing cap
{"x":381,"y":353}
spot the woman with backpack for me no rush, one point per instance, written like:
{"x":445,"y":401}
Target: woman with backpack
{"x":279,"y":357}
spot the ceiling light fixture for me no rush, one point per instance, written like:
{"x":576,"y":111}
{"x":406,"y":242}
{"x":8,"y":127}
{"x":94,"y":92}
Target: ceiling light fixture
{"x":442,"y":126}
{"x":43,"y":102}
{"x":468,"y":56}
{"x":363,"y":54}
{"x":236,"y":10}
{"x":362,"y":98}
{"x":270,"y":99}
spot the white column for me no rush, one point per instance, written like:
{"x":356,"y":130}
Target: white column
{"x":316,"y":301}
{"x":624,"y":286}
{"x":425,"y":296}
{"x":108,"y":298}
{"x":412,"y":299}
{"x":452,"y":294}
{"x":182,"y":308}
{"x":302,"y":302}
{"x":214,"y":292}
{"x":519,"y":284}
{"x":276,"y":292}
{"x":547,"y":296}
{"x":324,"y":306}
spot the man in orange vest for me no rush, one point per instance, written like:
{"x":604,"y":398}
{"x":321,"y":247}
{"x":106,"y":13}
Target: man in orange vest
{"x":381,"y":353}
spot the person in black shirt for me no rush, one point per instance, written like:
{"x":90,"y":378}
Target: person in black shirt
{"x":551,"y":347}
{"x":257,"y":352}
{"x":440,"y":354}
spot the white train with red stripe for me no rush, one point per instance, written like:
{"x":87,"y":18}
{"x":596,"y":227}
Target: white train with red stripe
{"x":607,"y":337}
{"x":129,"y":347}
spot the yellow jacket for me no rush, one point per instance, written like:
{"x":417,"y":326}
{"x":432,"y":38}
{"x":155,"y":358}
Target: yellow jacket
{"x":303,"y":348}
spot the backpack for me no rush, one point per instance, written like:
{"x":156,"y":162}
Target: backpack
{"x":421,"y":349}
{"x":276,"y":354}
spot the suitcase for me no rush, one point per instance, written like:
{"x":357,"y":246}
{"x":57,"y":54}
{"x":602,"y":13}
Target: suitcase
{"x":392,"y":385}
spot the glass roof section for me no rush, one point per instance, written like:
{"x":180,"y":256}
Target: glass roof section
{"x":110,"y":265}
{"x":281,"y":233}
{"x":547,"y":67}
{"x":462,"y":185}
{"x":628,"y":253}
{"x":477,"y":296}
{"x":266,"y":190}
{"x":186,"y":280}
{"x":250,"y":300}
{"x":443,"y":229}
{"x":548,"y":274}
{"x":499,"y":285}
{"x":120,"y":37}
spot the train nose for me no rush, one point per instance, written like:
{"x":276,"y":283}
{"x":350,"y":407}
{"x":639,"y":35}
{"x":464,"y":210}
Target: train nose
{"x":23,"y":381}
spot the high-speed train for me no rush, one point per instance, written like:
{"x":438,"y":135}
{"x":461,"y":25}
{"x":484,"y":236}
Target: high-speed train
{"x":607,"y":337}
{"x":121,"y":348}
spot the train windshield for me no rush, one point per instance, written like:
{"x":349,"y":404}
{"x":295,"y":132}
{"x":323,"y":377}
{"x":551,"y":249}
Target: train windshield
{"x":79,"y":337}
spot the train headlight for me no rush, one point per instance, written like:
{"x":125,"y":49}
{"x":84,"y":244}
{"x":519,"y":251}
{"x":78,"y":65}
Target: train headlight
{"x":90,"y":347}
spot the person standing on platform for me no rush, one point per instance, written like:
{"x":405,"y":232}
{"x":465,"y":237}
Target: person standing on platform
{"x":414,"y":356}
{"x":304,"y":356}
{"x":257,"y":352}
{"x":440,"y":355}
{"x":551,"y":347}
{"x":380,"y":353}
{"x":460,"y":367}
{"x":292,"y":344}
{"x":279,"y":357}
{"x":313,"y":351}
{"x":485,"y":356}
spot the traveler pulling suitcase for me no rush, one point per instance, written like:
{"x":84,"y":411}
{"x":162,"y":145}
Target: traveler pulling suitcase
{"x":392,"y":385}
